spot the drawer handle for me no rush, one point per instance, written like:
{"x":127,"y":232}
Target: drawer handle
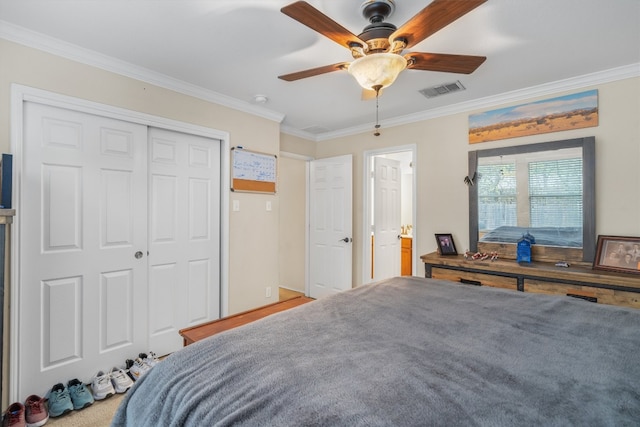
{"x":584,"y":297}
{"x":471,"y":282}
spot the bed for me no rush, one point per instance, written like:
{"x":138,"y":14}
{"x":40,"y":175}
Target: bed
{"x":570,"y":237}
{"x":405,"y":352}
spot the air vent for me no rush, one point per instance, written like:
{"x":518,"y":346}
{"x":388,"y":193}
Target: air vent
{"x":315,"y":129}
{"x":442,"y":89}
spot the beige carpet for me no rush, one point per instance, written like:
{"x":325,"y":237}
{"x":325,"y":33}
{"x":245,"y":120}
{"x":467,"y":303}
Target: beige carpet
{"x":97,"y":415}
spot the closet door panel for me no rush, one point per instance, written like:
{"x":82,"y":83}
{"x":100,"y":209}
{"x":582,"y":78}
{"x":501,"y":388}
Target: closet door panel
{"x":83,"y":217}
{"x":185,"y":237}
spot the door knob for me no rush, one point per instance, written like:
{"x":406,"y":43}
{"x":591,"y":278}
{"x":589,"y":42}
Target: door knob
{"x":346,"y":240}
{"x":138,"y":255}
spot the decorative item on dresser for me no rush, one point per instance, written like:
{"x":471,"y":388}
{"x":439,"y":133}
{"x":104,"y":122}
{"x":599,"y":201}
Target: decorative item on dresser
{"x":618,"y":253}
{"x":446,"y":246}
{"x":564,"y":229}
{"x":577,"y":280}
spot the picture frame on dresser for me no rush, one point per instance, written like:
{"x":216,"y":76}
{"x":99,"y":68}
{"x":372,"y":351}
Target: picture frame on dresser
{"x":446,"y":246}
{"x":618,"y":253}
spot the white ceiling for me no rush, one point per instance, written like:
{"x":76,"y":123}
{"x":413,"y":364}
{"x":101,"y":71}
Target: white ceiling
{"x":231,"y":50}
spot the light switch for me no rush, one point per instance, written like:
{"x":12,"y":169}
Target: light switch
{"x":236,"y":205}
{"x":268,"y":205}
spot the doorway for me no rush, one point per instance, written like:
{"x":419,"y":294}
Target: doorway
{"x":406,"y":235}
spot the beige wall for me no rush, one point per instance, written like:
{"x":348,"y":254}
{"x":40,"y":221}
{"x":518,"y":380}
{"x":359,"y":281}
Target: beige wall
{"x":292,"y":191}
{"x":296,"y":145}
{"x":441,"y":165}
{"x":253,"y":259}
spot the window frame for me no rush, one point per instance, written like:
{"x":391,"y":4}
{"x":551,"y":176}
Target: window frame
{"x":587,"y":144}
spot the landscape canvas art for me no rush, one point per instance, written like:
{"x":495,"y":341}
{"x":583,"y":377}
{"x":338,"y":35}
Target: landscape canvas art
{"x":579,"y":110}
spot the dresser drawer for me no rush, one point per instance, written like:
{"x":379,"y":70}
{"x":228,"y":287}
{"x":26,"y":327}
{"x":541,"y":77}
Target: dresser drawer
{"x":603,"y":296}
{"x":470,"y":278}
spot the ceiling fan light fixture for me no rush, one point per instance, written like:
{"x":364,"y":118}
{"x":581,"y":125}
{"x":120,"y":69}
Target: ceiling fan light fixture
{"x":377,"y":69}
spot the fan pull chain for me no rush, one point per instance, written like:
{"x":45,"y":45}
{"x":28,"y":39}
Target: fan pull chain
{"x":377,"y":127}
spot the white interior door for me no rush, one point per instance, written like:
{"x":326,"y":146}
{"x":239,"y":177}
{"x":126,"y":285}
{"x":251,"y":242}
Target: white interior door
{"x":386,"y":218}
{"x":82,"y":218}
{"x":330,"y":226}
{"x":184,"y":247}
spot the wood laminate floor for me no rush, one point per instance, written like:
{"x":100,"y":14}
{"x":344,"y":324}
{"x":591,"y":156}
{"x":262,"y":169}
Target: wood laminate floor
{"x":285,"y":294}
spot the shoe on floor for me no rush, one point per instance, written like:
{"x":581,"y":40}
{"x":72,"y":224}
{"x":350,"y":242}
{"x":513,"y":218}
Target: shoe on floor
{"x":150,"y":358}
{"x":137,"y":368}
{"x":59,"y":401}
{"x":101,"y":386}
{"x":120,"y":380}
{"x":14,"y":415}
{"x":79,"y":393}
{"x":36,"y":413}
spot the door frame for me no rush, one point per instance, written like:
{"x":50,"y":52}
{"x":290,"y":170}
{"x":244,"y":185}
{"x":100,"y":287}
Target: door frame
{"x":368,"y":205}
{"x":21,"y":94}
{"x":307,"y":173}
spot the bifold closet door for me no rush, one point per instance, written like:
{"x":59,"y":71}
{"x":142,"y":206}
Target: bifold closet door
{"x":83,"y":244}
{"x":184,"y":235}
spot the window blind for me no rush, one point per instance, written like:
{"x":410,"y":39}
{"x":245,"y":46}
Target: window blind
{"x":497,"y":195}
{"x":555,"y":193}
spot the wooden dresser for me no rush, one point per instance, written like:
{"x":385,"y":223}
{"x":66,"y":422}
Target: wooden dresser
{"x":578,"y":280}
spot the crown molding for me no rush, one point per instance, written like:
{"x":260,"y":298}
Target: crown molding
{"x":29,"y":38}
{"x":63,"y":49}
{"x":579,"y":82}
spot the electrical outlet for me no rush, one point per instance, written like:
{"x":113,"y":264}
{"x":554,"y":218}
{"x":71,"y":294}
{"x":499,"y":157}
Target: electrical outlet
{"x":267,"y":292}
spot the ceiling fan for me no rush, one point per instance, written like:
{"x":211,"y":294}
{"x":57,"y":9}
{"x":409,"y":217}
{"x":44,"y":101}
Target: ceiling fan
{"x":378,"y":50}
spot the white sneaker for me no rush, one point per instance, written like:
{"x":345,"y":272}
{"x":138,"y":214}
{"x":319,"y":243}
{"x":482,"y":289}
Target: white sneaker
{"x":150,"y":358}
{"x":138,"y":368}
{"x":101,"y":386}
{"x":120,"y":380}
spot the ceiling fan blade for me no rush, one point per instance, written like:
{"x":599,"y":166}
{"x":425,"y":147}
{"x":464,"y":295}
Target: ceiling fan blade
{"x":314,"y":71}
{"x":308,"y":15}
{"x":437,"y":15}
{"x":447,"y":63}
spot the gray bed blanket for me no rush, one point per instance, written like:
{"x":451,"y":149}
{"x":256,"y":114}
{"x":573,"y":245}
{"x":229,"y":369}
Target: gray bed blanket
{"x":406,"y":352}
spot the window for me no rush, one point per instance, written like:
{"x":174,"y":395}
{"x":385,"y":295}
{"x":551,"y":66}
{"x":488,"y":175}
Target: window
{"x":497,"y":195}
{"x":537,"y":193}
{"x":530,"y":190}
{"x":555,"y":193}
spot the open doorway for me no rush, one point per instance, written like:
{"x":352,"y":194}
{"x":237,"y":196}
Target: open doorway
{"x":385,"y":258}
